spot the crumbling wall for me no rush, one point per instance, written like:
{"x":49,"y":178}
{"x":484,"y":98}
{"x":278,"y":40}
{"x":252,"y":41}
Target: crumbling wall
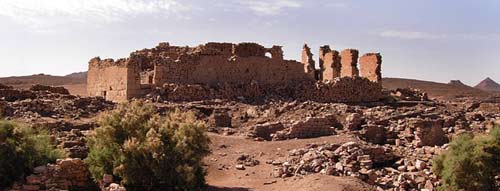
{"x":322,"y":52}
{"x":216,"y":69}
{"x":349,"y":62}
{"x":345,"y":90}
{"x":370,"y":65}
{"x":331,"y":65}
{"x":66,"y":174}
{"x":114,"y":80}
{"x":309,"y":128}
{"x":226,"y":70}
{"x":308,"y":61}
{"x":52,"y":89}
{"x":276,"y":52}
{"x":249,"y":49}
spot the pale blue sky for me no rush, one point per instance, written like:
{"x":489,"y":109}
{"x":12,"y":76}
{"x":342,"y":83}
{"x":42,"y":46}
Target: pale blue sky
{"x":434,"y":40}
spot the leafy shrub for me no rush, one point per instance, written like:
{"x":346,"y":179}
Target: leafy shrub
{"x":23,"y":148}
{"x":147,"y":151}
{"x":471,"y":163}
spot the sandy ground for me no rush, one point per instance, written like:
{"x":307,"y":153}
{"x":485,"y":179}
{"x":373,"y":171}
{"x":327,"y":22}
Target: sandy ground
{"x":226,"y":149}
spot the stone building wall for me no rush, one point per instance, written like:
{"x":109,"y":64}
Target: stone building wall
{"x":113,"y":80}
{"x":349,"y":63}
{"x":331,"y":65}
{"x":227,"y":70}
{"x":212,"y":70}
{"x":370,"y":65}
{"x":308,"y":61}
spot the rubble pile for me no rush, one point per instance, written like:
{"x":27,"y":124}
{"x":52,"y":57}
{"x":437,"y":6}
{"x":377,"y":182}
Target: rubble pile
{"x":407,"y":94}
{"x":349,"y":159}
{"x":66,"y":174}
{"x":310,"y":127}
{"x":53,"y":102}
{"x":381,"y":166}
{"x":220,"y":118}
{"x":5,"y":87}
{"x":58,"y":90}
{"x":10,"y":94}
{"x":344,"y":90}
{"x":246,"y":160}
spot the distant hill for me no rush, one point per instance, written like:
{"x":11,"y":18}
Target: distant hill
{"x":78,"y":75}
{"x":75,"y":82}
{"x":44,"y":79}
{"x":457,"y":83}
{"x":454,"y":89}
{"x":488,"y":85}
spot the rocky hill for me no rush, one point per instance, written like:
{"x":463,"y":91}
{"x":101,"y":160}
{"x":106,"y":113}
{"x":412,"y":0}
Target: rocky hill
{"x":75,"y":82}
{"x":454,"y":89}
{"x":457,"y":83}
{"x":488,"y":85}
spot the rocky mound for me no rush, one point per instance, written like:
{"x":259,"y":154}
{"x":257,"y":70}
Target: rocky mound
{"x":488,"y":85}
{"x":46,"y":101}
{"x":457,"y":83}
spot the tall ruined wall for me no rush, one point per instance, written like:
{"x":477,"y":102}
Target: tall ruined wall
{"x":349,"y":62}
{"x":212,"y":70}
{"x":331,"y":65}
{"x":370,"y":65}
{"x":308,"y":61}
{"x":323,"y":50}
{"x":241,"y":68}
{"x":114,"y":80}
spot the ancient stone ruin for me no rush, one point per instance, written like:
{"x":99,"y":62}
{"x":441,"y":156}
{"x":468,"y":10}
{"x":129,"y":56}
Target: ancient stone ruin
{"x":225,"y":70}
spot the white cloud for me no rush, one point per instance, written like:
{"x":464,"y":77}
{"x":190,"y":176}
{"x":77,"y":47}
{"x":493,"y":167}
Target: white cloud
{"x":270,"y":7}
{"x":38,"y":12}
{"x":418,"y":35}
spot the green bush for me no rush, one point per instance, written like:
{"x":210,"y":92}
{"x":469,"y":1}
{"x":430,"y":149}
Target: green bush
{"x":23,"y":148}
{"x":147,"y":151}
{"x":471,"y":163}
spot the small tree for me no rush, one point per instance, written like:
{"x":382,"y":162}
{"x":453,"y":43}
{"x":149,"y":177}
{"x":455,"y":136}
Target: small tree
{"x":471,"y":163}
{"x":23,"y":148}
{"x":147,"y":151}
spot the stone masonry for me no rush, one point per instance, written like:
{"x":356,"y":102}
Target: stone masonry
{"x":330,"y":64}
{"x":349,"y":61}
{"x":214,"y":65}
{"x":370,"y":65}
{"x":308,"y":60}
{"x":114,"y":80}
